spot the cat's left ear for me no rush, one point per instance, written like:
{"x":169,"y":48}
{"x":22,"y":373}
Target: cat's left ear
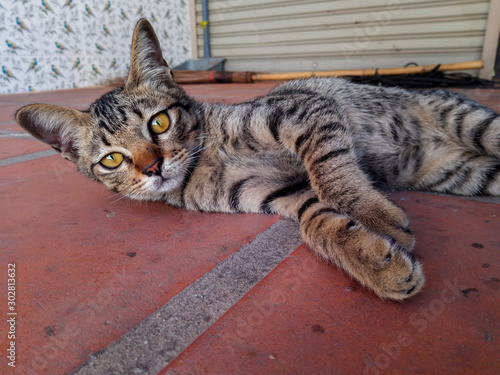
{"x":58,"y":126}
{"x":147,"y":65}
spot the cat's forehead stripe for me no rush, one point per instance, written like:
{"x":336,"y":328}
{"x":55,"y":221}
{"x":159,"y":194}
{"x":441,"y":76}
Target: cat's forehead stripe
{"x":105,"y":140}
{"x":138,"y":112}
{"x":105,"y":126}
{"x":110,"y":111}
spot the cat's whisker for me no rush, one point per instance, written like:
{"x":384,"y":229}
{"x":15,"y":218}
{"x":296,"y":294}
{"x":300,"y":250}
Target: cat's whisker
{"x":196,"y":153}
{"x":200,"y":150}
{"x":202,"y":138}
{"x":205,"y":137}
{"x":192,"y":159}
{"x":114,"y":195}
{"x":119,"y":199}
{"x":197,"y":147}
{"x":132,"y":192}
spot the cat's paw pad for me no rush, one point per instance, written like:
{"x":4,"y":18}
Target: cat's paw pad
{"x":397,"y":274}
{"x":380,"y":263}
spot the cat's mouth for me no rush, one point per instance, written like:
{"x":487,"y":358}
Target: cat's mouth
{"x":166,"y":181}
{"x":155,"y":187}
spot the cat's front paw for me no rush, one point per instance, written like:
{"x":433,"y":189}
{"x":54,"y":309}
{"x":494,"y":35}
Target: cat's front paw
{"x":384,"y":217}
{"x":386,"y":267}
{"x":377,"y":261}
{"x":392,"y":220}
{"x":398,"y":275}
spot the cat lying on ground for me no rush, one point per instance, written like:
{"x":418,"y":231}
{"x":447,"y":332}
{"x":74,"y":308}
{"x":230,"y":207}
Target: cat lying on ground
{"x":310,"y":149}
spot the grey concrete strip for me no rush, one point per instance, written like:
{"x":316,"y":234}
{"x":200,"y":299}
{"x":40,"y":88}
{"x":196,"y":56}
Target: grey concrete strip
{"x":27,"y":157}
{"x":11,"y":134}
{"x":161,"y":337}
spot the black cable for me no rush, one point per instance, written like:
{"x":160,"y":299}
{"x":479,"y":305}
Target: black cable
{"x":431,"y":79}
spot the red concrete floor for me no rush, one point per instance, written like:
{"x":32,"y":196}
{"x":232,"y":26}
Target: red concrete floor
{"x":306,"y":317}
{"x":90,"y":266}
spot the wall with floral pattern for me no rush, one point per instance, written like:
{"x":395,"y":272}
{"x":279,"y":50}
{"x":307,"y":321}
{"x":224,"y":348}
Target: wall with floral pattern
{"x":60,"y":44}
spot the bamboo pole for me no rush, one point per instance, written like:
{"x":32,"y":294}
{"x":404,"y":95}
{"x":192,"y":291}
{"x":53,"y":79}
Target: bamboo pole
{"x":367,"y":72}
{"x":207,"y":76}
{"x":203,"y":76}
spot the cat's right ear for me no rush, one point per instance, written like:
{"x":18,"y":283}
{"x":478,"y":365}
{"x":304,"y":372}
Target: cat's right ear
{"x":57,"y":126}
{"x":147,"y":65}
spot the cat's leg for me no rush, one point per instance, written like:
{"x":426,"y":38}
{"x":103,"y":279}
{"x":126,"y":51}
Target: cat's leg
{"x":346,"y":189}
{"x":473,"y":169}
{"x":461,"y":153}
{"x":325,"y":148}
{"x":468,"y":124}
{"x":449,"y":169}
{"x":374,"y":259}
{"x":478,"y":130}
{"x":283,"y":187}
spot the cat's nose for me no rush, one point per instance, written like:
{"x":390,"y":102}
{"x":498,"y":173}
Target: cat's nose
{"x":153,"y":169}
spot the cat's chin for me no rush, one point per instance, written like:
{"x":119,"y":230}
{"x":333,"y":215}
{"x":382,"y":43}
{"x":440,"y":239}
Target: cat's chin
{"x":159,"y":185}
{"x":162,"y":186}
{"x":156,"y":188}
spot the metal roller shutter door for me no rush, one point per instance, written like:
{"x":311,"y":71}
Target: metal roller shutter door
{"x":298,"y":35}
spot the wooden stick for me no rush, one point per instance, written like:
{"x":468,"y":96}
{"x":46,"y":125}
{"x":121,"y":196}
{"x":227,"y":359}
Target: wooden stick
{"x":207,"y":76}
{"x":203,"y":76}
{"x":367,"y":72}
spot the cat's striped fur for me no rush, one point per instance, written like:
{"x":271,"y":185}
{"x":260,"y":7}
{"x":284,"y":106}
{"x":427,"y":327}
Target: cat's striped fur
{"x":311,"y":150}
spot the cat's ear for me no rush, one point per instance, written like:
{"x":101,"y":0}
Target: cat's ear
{"x":147,"y":65}
{"x":57,"y":126}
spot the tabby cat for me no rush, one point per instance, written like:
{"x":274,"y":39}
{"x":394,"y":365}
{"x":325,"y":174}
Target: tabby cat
{"x":312,"y":150}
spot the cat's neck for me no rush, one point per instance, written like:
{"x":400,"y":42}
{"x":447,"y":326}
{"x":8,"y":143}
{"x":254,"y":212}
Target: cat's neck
{"x":217,"y":116}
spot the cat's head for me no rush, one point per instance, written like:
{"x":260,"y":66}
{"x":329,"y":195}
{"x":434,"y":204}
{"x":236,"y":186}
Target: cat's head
{"x":137,"y":139}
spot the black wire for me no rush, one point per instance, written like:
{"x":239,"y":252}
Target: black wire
{"x":430,"y":79}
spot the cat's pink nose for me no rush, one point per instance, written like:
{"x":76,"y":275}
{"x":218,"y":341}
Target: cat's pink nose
{"x":153,"y":169}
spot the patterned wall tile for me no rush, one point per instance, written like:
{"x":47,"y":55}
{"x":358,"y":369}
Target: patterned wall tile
{"x":58,"y":44}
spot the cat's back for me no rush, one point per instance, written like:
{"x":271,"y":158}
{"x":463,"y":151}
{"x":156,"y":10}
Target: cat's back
{"x":370,"y":99}
{"x":356,"y":103}
{"x":341,"y":91}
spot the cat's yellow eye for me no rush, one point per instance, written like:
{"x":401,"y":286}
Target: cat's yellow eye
{"x":112,"y":160}
{"x":160,"y":123}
